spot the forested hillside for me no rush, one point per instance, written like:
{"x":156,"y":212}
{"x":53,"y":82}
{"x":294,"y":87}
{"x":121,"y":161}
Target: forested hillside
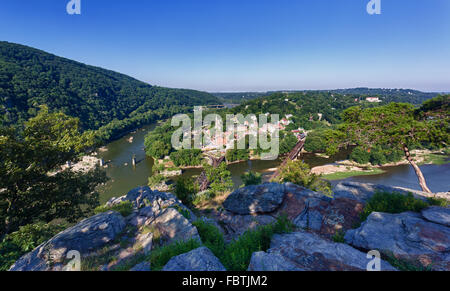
{"x":98,"y":97}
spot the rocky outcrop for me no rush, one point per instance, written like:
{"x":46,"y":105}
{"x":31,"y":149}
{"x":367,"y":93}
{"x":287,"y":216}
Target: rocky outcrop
{"x":303,"y":251}
{"x":174,"y":227}
{"x":406,"y":236}
{"x":142,"y":267}
{"x":363,"y":191}
{"x":259,"y":199}
{"x":201,"y":259}
{"x":438,"y":215}
{"x":87,"y":236}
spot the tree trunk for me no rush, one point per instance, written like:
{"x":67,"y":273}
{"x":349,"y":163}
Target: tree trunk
{"x":422,"y":181}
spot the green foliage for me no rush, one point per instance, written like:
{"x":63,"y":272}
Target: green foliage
{"x":360,"y":155}
{"x":211,"y":237}
{"x":185,"y":188}
{"x":235,"y":155}
{"x":251,"y":178}
{"x":339,"y":237}
{"x":186,"y":158}
{"x":236,"y":255}
{"x":34,"y":187}
{"x":103,"y":100}
{"x":376,"y":156}
{"x":441,"y":202}
{"x":155,"y":180}
{"x":220,"y":178}
{"x":392,"y":203}
{"x":26,"y":239}
{"x":287,"y":143}
{"x":202,"y":197}
{"x":299,"y":173}
{"x":405,"y":265}
{"x":125,"y":208}
{"x":158,"y":143}
{"x":159,"y":257}
{"x":324,"y":140}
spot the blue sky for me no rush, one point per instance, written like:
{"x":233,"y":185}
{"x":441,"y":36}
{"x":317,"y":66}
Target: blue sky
{"x":246,"y":45}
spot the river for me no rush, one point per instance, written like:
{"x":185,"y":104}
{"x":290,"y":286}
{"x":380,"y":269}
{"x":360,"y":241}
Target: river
{"x":125,"y":177}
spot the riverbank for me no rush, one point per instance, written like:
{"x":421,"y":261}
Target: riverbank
{"x":347,"y":169}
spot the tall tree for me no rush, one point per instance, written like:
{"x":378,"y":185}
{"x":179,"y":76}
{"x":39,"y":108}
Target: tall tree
{"x":396,"y":125}
{"x":33,"y":186}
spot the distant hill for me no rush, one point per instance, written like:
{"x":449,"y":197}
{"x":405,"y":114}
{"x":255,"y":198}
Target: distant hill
{"x":387,"y":95}
{"x":238,"y":97}
{"x":100,"y":98}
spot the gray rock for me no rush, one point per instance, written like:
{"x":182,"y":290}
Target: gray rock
{"x":146,"y":242}
{"x":437,"y":215}
{"x":235,"y":225}
{"x":364,"y":191}
{"x":174,"y":227}
{"x":260,"y":199}
{"x":142,"y":267}
{"x":406,"y":236}
{"x":263,"y":262}
{"x":201,"y":259}
{"x":309,"y":252}
{"x":309,"y":220}
{"x":87,"y":236}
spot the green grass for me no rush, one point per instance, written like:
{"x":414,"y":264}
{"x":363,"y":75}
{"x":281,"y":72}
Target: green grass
{"x":236,"y":255}
{"x":338,"y":237}
{"x":125,"y":208}
{"x":441,"y":202}
{"x":436,"y":159}
{"x":345,"y":175}
{"x":392,"y":203}
{"x":161,"y":256}
{"x":404,"y":265}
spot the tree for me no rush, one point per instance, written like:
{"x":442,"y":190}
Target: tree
{"x":219,"y":177}
{"x":33,"y":186}
{"x":396,"y":126}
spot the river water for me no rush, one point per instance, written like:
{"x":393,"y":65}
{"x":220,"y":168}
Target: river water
{"x":125,"y":177}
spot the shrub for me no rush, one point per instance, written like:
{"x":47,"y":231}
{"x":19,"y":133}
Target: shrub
{"x":211,"y":237}
{"x":186,"y":157}
{"x":339,"y":237}
{"x":378,"y":156}
{"x":441,"y":202}
{"x":26,"y":239}
{"x":392,"y":203}
{"x":219,"y":177}
{"x":251,"y":178}
{"x":161,"y":256}
{"x":125,"y":208}
{"x":299,"y":173}
{"x":202,"y":197}
{"x":185,"y":189}
{"x":238,"y":253}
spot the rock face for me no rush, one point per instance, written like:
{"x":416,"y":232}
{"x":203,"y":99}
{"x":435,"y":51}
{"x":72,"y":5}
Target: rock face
{"x":438,"y":215}
{"x":407,"y":236}
{"x":303,"y":251}
{"x":175,"y":227}
{"x":201,"y":259}
{"x":255,"y":199}
{"x":142,"y":267}
{"x":364,"y":191}
{"x":85,"y":237}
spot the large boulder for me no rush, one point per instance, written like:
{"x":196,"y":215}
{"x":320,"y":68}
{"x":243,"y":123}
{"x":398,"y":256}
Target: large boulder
{"x":407,"y":236}
{"x":259,"y":199}
{"x":174,"y":227}
{"x":201,"y":259}
{"x":303,"y":251}
{"x":437,"y":215}
{"x":85,"y":237}
{"x":151,"y":203}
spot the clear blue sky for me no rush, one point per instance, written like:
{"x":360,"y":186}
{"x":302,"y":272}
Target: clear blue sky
{"x":246,"y":45}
